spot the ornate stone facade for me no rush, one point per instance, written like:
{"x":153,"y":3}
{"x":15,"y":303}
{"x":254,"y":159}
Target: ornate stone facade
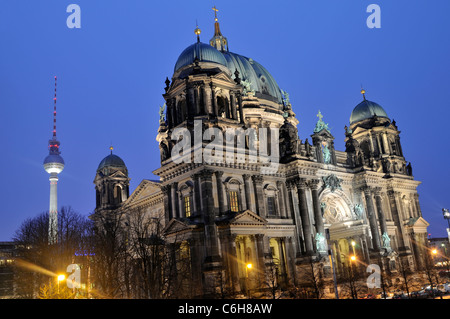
{"x":362,"y":201}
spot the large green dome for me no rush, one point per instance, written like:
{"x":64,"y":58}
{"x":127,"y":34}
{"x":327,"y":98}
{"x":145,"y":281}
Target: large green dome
{"x":249,"y":70}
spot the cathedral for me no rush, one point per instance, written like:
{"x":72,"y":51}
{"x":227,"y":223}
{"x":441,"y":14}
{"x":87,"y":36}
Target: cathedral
{"x":240,"y":226}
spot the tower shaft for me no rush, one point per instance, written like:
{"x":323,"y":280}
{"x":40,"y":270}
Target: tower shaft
{"x":53,"y":210}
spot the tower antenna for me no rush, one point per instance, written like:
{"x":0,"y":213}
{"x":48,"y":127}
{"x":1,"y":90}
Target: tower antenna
{"x":54,"y":112}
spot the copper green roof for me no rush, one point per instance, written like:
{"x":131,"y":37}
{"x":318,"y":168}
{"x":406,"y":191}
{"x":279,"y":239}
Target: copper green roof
{"x":366,"y":110}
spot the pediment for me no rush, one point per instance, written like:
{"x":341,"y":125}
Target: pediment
{"x":418,"y":222}
{"x":145,"y":189}
{"x":176,"y":226}
{"x":118,"y":174}
{"x":358,"y":130}
{"x":222,"y":76}
{"x":248,"y":218}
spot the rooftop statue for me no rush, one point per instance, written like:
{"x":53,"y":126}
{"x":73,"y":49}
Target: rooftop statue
{"x":247,"y":87}
{"x":161,"y":112}
{"x":285,"y":97}
{"x":321,"y":125}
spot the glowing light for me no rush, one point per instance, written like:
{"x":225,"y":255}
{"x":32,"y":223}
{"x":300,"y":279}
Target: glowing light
{"x":61,"y":277}
{"x":434,"y":251}
{"x":249,"y":266}
{"x":353,"y":258}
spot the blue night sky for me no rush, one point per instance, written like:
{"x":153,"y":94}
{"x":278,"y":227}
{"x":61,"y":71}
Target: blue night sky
{"x":111,"y":76}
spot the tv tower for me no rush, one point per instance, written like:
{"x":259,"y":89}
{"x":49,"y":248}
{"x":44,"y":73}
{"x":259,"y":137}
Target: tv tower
{"x":53,"y":164}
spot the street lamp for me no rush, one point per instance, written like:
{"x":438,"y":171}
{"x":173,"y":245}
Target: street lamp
{"x":446,"y":214}
{"x":60,"y":278}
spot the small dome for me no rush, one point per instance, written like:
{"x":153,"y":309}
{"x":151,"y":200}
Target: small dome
{"x":111,"y":161}
{"x":201,"y":51}
{"x":366,"y":110}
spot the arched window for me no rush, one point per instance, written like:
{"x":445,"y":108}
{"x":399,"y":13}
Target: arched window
{"x":117,"y":194}
{"x":187,"y":206}
{"x":234,"y":201}
{"x":222,"y":107}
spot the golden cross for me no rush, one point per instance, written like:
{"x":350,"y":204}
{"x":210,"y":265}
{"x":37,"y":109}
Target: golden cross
{"x":215,"y":12}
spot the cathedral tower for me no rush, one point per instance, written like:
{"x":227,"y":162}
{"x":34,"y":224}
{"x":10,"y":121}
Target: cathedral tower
{"x":111,"y":184}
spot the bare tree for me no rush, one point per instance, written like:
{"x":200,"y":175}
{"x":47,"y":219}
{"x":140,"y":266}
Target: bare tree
{"x":313,"y":280}
{"x":40,"y":261}
{"x":111,"y":258}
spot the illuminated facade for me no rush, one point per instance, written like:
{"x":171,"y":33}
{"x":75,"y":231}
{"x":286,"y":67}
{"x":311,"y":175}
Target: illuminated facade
{"x":231,"y":215}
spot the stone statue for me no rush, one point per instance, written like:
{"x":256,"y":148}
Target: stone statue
{"x":409,"y":169}
{"x":321,"y":243}
{"x":386,"y":241}
{"x":321,"y":125}
{"x":288,"y":139}
{"x":307,"y":148}
{"x":323,"y":206}
{"x":332,"y":181}
{"x":164,"y":151}
{"x":285,"y":97}
{"x":358,"y":211}
{"x":247,"y":87}
{"x":326,"y":154}
{"x":387,"y":166}
{"x":161,"y":113}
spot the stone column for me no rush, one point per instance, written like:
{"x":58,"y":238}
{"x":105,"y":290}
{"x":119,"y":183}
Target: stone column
{"x":281,"y":247}
{"x":281,"y":201}
{"x":259,"y":195}
{"x":174,"y":198}
{"x":287,"y":204}
{"x":234,"y":270}
{"x":250,"y":205}
{"x":314,"y":185}
{"x":190,"y":102}
{"x":365,"y":249}
{"x":372,"y":218}
{"x":212,"y":248}
{"x":233,"y":105}
{"x":196,"y":197}
{"x":259,"y":244}
{"x":416,"y":201}
{"x":385,"y":143}
{"x":197,"y":100}
{"x":241,"y":111}
{"x":167,"y":195}
{"x":306,"y":223}
{"x":395,"y":207}
{"x":381,"y":216}
{"x":214,"y":100}
{"x":295,"y":215}
{"x":206,"y":89}
{"x":220,"y":196}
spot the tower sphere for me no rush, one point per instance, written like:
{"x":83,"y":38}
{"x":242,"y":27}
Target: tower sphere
{"x":53,"y":164}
